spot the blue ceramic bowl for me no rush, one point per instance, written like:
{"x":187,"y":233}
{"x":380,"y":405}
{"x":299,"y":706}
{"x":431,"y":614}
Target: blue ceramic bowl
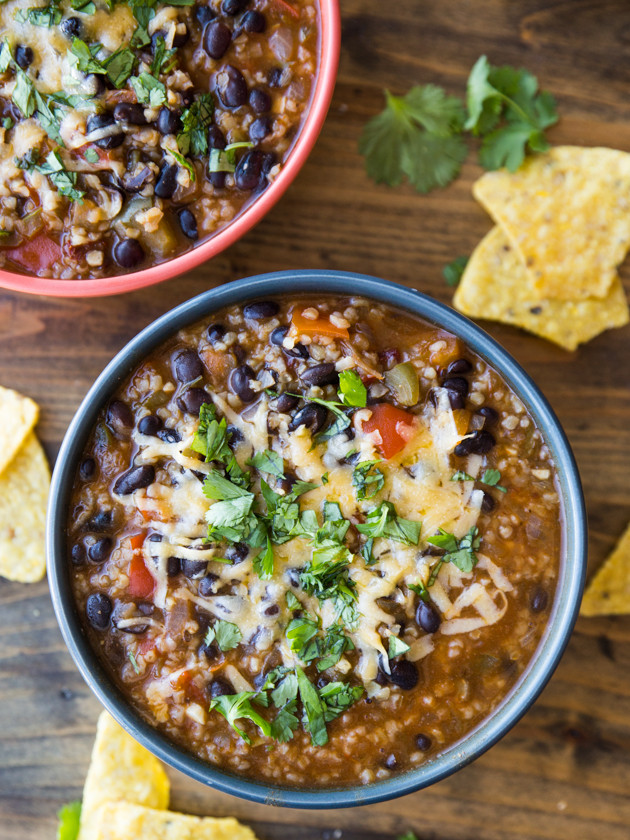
{"x":572,"y":566}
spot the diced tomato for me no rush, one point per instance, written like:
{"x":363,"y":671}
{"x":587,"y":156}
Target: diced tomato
{"x":146,"y":645}
{"x":320,"y":326}
{"x":286,"y":7}
{"x":137,"y":541}
{"x":394,"y":428}
{"x":141,"y":582}
{"x":37,"y":255}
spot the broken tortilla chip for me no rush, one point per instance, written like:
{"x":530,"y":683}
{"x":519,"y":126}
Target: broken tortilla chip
{"x":120,"y":769}
{"x":567,"y":212}
{"x":24,"y":486}
{"x":18,"y":415}
{"x":608,"y":593}
{"x":496,"y":286}
{"x":123,"y":821}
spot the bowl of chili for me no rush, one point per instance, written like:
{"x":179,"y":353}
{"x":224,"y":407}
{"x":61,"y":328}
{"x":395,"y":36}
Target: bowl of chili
{"x":507,"y":417}
{"x":153,"y":144}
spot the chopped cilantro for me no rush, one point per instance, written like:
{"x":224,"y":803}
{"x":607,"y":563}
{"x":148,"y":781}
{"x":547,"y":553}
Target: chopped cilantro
{"x":86,"y":7}
{"x":23,"y":95}
{"x":263,"y":562}
{"x":149,"y":90}
{"x":300,"y":632}
{"x":193,"y":138}
{"x":325,"y":478}
{"x":235,"y":707}
{"x":83,"y":56}
{"x":292,"y":602}
{"x":452,"y":272}
{"x":69,"y":817}
{"x":224,"y":160}
{"x":285,"y":723}
{"x":227,"y":635}
{"x":161,"y":57}
{"x":337,"y":697}
{"x":459,"y":552}
{"x":47,"y":16}
{"x":91,"y":155}
{"x":352,"y":391}
{"x":367,"y":552}
{"x":383,"y":521}
{"x":313,"y":709}
{"x":367,"y":479}
{"x":396,"y":647}
{"x":62,"y":179}
{"x":5,"y":56}
{"x":119,"y":66}
{"x":491,"y":478}
{"x":269,"y":462}
{"x":420,"y":589}
{"x":186,"y":164}
{"x":134,"y":663}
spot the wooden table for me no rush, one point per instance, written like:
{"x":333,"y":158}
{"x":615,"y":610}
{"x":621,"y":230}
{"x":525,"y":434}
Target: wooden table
{"x":564,"y":771}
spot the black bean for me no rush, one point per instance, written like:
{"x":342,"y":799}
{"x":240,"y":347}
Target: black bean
{"x":111,"y":142}
{"x":119,"y":416}
{"x":87,"y":469}
{"x":457,"y":384}
{"x":193,"y":568}
{"x":169,"y":435}
{"x":322,"y":374}
{"x":135,"y":182}
{"x":390,"y":762}
{"x":487,"y":503}
{"x":286,"y":403}
{"x":101,"y":522}
{"x":491,"y":416}
{"x":216,"y":139}
{"x":181,"y":38}
{"x":240,"y":354}
{"x":313,"y":416}
{"x":231,"y":86}
{"x":248,"y":170}
{"x":459,"y":366}
{"x":78,"y":554}
{"x":423,"y":742}
{"x":404,"y":674}
{"x":238,"y":383}
{"x":23,"y":56}
{"x":278,"y":335}
{"x":219,"y":687}
{"x":134,"y":629}
{"x":260,"y":101}
{"x":207,"y":584}
{"x":427,"y":617}
{"x":98,"y":610}
{"x":274,"y":609}
{"x":260,"y":310}
{"x":236,"y":435}
{"x":191,"y":400}
{"x":259,"y":129}
{"x":97,"y":121}
{"x":128,"y":253}
{"x":217,"y":37}
{"x":217,"y":179}
{"x":130,"y":112}
{"x":478,"y":443}
{"x":173,"y":566}
{"x":155,"y":537}
{"x":150,"y":425}
{"x":253,"y":21}
{"x":187,"y":365}
{"x":236,"y":553}
{"x":211,"y":651}
{"x":166,"y":183}
{"x":233,"y":7}
{"x":71,"y":27}
{"x":275,"y":77}
{"x":204,"y":15}
{"x":168,"y":122}
{"x":135,"y":479}
{"x":100,"y":550}
{"x":294,"y":577}
{"x":188,"y":224}
{"x":538,"y":600}
{"x":215,"y":332}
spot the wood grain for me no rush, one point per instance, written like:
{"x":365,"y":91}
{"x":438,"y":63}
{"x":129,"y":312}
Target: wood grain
{"x":564,"y":771}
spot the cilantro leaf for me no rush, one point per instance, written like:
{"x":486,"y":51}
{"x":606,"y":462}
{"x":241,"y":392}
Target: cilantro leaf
{"x":69,"y":817}
{"x":366,"y":482}
{"x":300,"y":632}
{"x":227,"y":635}
{"x":383,"y":521}
{"x":193,"y":137}
{"x":263,"y":562}
{"x":119,"y":66}
{"x":235,"y":707}
{"x":269,"y":462}
{"x":452,"y":272}
{"x":492,"y":478}
{"x":313,"y":710}
{"x":352,"y":391}
{"x":420,"y":589}
{"x":149,"y":90}
{"x":460,"y":475}
{"x":396,"y":647}
{"x":63,"y":180}
{"x":292,"y":602}
{"x":285,"y":723}
{"x":337,"y":697}
{"x":459,"y":552}
{"x":367,"y":553}
{"x":83,"y":56}
{"x":5,"y":56}
{"x":416,"y":136}
{"x":23,"y":95}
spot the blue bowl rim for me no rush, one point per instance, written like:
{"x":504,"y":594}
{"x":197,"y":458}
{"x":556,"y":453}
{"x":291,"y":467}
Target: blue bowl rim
{"x":572,"y":567}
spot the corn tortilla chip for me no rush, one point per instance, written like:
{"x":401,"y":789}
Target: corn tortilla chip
{"x":120,"y":769}
{"x":124,"y":821}
{"x":568,"y":214}
{"x":24,"y":489}
{"x":609,"y":591}
{"x":496,"y":286}
{"x":18,"y":415}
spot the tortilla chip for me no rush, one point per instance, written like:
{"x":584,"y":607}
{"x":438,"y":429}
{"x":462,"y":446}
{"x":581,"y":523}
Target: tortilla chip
{"x":568,"y":213}
{"x":496,"y":286}
{"x":18,"y":415}
{"x":608,"y":593}
{"x":120,"y":769}
{"x":24,"y":489}
{"x":124,"y":821}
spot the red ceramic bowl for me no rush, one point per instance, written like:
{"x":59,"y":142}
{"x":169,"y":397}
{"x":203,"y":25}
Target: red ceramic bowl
{"x":317,"y":110}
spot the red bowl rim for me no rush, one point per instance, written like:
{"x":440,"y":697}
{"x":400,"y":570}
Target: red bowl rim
{"x":327,"y":72}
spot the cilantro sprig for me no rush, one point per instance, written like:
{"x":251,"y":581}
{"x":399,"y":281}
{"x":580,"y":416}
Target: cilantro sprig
{"x":420,"y":135}
{"x":459,"y":552}
{"x":367,"y":479}
{"x":64,"y":181}
{"x":383,"y":521}
{"x":490,"y":477}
